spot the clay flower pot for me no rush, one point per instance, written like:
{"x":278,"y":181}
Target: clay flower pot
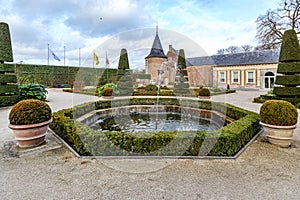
{"x":29,"y":120}
{"x":279,"y":135}
{"x":278,"y":119}
{"x":30,"y":135}
{"x":204,"y":97}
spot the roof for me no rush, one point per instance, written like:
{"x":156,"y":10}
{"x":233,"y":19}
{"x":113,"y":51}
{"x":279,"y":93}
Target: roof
{"x":255,"y":57}
{"x":157,"y":50}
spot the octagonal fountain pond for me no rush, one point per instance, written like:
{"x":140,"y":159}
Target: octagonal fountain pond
{"x":138,"y":127}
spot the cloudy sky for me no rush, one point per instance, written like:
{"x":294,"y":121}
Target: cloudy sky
{"x":109,"y":25}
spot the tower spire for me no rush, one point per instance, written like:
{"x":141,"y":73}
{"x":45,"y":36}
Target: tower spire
{"x":156,"y":50}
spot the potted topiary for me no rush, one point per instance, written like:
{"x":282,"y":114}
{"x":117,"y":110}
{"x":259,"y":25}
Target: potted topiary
{"x":279,"y":119}
{"x":204,"y":93}
{"x":29,"y":120}
{"x":107,"y":93}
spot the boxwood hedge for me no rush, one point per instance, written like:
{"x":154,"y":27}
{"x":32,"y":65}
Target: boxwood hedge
{"x":288,"y":80}
{"x":226,"y":141}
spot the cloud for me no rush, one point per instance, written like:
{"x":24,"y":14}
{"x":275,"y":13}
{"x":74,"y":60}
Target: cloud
{"x":212,"y":24}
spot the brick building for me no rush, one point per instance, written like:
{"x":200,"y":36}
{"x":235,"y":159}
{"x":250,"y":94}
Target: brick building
{"x":157,"y":60}
{"x":251,"y":70}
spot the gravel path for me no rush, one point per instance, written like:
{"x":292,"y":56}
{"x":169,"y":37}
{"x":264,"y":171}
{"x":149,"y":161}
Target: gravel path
{"x":263,"y":171}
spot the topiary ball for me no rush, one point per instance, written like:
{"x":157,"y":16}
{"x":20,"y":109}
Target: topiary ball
{"x":29,"y":111}
{"x":278,"y":112}
{"x":151,"y":87}
{"x":107,"y":92}
{"x":204,"y":92}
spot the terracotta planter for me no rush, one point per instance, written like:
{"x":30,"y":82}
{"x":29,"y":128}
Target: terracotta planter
{"x":279,"y":135}
{"x":30,"y":135}
{"x":107,"y":97}
{"x":204,"y":97}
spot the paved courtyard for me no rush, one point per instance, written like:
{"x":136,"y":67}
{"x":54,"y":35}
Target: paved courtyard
{"x":262,"y":171}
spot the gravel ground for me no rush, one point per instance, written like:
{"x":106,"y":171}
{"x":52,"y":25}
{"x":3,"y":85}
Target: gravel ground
{"x":263,"y":171}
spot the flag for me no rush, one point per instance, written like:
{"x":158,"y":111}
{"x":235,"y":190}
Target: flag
{"x":107,"y":61}
{"x":53,"y":55}
{"x":96,"y":59}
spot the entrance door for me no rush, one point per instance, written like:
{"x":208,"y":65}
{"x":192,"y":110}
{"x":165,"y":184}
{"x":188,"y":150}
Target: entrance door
{"x":269,"y":80}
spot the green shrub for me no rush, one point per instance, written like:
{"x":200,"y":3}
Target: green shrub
{"x":278,"y":112}
{"x":204,"y":92}
{"x":8,"y":78}
{"x":289,"y":59}
{"x":287,"y":91}
{"x":288,"y":68}
{"x":258,"y":100}
{"x":290,"y":50}
{"x":6,"y":53}
{"x":288,"y":80}
{"x":32,"y":91}
{"x":151,"y":88}
{"x":181,"y":63}
{"x":30,"y":111}
{"x":109,"y":85}
{"x":154,"y":93}
{"x":8,"y":100}
{"x":123,"y":60}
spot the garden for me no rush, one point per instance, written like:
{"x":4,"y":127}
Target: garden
{"x":239,"y":128}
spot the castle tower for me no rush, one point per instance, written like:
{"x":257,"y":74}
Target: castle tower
{"x":154,"y":61}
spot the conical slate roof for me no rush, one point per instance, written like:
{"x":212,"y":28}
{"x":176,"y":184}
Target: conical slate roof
{"x":156,"y":50}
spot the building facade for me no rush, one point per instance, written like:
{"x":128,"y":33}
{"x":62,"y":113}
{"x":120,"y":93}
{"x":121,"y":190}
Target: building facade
{"x":251,"y":70}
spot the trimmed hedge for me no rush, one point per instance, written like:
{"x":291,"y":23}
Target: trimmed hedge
{"x":6,"y":53}
{"x":278,"y":112}
{"x":10,"y":68}
{"x":154,"y":93}
{"x":183,"y":73}
{"x":123,"y":60}
{"x":8,"y":100}
{"x":288,"y":80}
{"x":287,"y":91}
{"x":290,"y":49}
{"x":204,"y":92}
{"x":226,"y":141}
{"x":289,"y":59}
{"x":289,"y":68}
{"x":30,"y":111}
{"x":9,"y":89}
{"x":8,"y":78}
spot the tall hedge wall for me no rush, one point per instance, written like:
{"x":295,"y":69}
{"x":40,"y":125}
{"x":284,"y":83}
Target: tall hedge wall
{"x":53,"y":75}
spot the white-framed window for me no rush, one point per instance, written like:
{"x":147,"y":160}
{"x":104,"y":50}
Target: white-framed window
{"x":222,"y":77}
{"x":235,"y":77}
{"x":250,"y":77}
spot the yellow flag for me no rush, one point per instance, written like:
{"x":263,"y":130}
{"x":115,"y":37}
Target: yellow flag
{"x":96,"y":59}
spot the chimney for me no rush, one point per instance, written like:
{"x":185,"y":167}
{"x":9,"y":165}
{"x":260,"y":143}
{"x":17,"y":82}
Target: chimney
{"x":170,"y":48}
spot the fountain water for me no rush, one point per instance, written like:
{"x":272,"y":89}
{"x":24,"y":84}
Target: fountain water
{"x":159,"y":81}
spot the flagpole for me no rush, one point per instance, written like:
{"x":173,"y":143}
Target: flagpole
{"x":94,"y":60}
{"x":106,"y":66}
{"x":64,"y":55}
{"x":79,"y":57}
{"x":48,"y":54}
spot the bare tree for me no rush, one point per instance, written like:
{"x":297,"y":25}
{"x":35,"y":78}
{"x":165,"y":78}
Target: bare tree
{"x":221,"y":52}
{"x":235,"y":49}
{"x":232,"y":49}
{"x":270,"y":27}
{"x":246,"y":48}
